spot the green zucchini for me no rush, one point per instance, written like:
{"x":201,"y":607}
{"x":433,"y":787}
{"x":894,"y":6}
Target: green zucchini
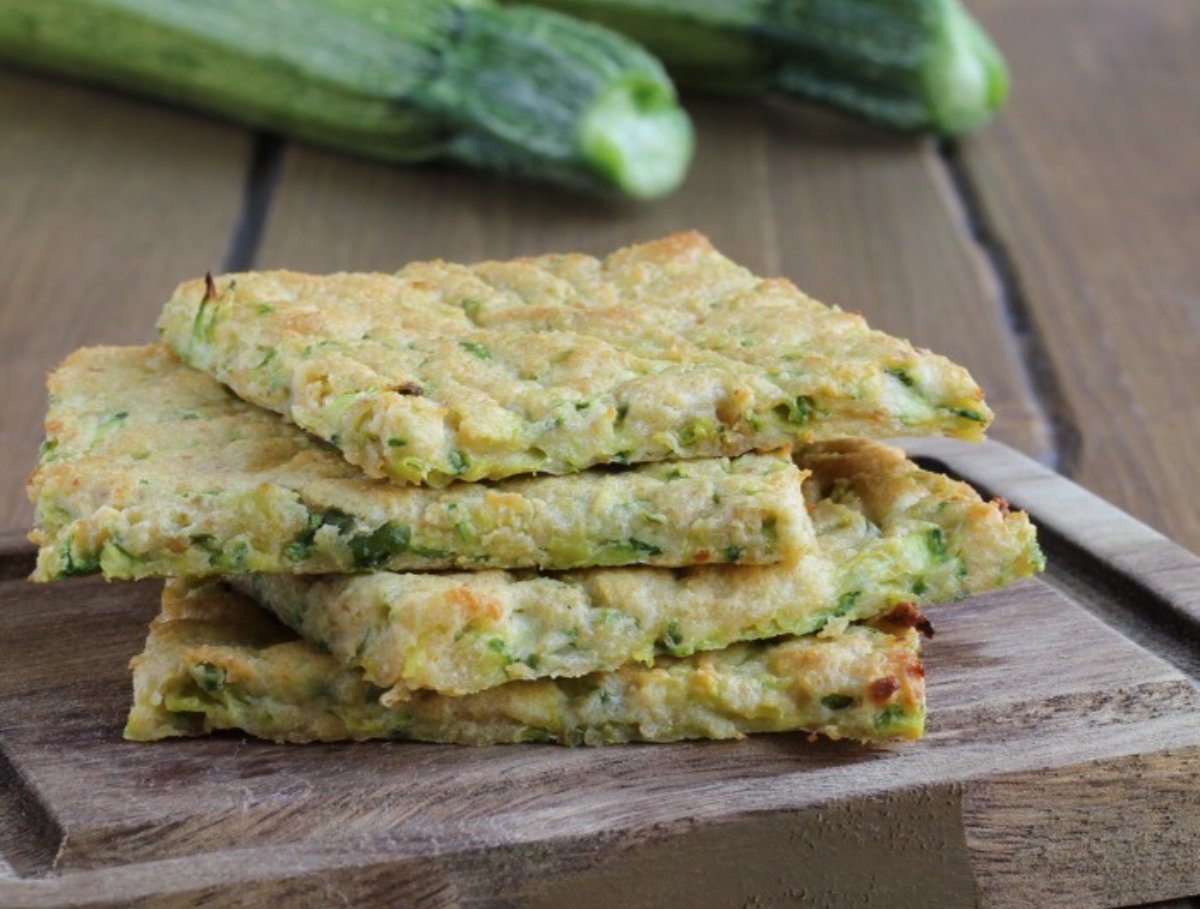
{"x":516,"y":89}
{"x":911,"y":64}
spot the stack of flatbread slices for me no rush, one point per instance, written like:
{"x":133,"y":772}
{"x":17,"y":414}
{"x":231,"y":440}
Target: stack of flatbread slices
{"x":557,"y":499}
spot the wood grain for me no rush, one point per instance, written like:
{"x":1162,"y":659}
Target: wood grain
{"x":853,"y":215}
{"x":1054,"y":741}
{"x":1061,"y":766}
{"x":1059,"y":850}
{"x":1090,"y":184}
{"x":105,"y":204}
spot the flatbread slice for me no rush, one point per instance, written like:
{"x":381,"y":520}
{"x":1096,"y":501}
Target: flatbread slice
{"x":152,"y":468}
{"x":553,"y":364}
{"x":887,"y":532}
{"x":215,"y":661}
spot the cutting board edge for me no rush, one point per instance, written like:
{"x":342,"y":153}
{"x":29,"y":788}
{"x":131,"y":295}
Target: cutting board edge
{"x":991,"y":466}
{"x":960,"y":822}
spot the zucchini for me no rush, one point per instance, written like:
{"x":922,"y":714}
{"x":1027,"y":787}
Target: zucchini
{"x":515,"y":89}
{"x":912,"y":64}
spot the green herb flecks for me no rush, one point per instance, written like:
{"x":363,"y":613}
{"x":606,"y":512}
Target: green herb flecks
{"x":629,"y":550}
{"x":500,"y":647}
{"x":76,"y":564}
{"x":935,"y":542}
{"x":695,"y":432}
{"x":475,"y":349}
{"x":471,"y":307}
{"x":208,"y":544}
{"x":231,"y":557}
{"x":459,"y":463}
{"x":846,"y":603}
{"x":796,"y":412}
{"x":888,"y":716}
{"x":966,"y":413}
{"x":672,"y":640}
{"x":429,"y":552}
{"x":301,"y":548}
{"x":234,"y":557}
{"x":209,"y":677}
{"x":371,"y":550}
{"x":112,"y":420}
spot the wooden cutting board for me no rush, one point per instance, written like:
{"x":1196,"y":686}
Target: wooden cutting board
{"x":1061,"y":768}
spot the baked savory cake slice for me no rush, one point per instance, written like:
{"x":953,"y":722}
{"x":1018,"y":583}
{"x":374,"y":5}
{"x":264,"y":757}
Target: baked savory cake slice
{"x":215,"y":661}
{"x":554,"y":364}
{"x":887,"y":532}
{"x":152,"y":468}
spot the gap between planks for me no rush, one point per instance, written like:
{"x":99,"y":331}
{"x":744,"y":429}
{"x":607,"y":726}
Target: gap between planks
{"x":258,"y":191}
{"x":1051,"y":403}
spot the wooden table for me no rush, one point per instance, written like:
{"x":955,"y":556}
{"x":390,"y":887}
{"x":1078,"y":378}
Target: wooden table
{"x":1054,"y":253}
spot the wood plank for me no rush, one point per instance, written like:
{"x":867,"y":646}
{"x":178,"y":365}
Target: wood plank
{"x":1060,"y":769}
{"x":1091,"y":186}
{"x":1159,"y":827}
{"x":870,"y":221}
{"x":855,"y":216}
{"x":105,"y":205}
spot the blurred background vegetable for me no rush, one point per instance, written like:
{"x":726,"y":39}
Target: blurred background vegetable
{"x":911,"y":64}
{"x":516,"y":89}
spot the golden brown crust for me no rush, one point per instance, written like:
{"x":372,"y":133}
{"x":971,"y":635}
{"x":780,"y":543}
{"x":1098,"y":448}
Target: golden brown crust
{"x":152,"y":468}
{"x":889,"y":535}
{"x":556,"y":363}
{"x":214,"y":661}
